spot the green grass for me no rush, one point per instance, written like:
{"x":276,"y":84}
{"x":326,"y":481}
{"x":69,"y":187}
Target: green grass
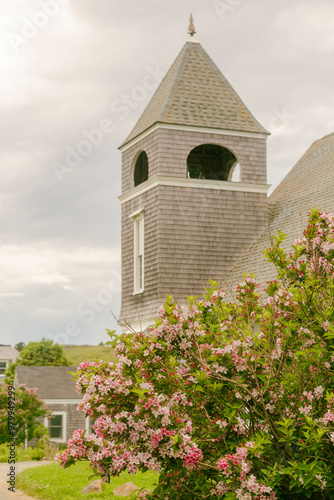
{"x":51,"y":482}
{"x":76,"y":354}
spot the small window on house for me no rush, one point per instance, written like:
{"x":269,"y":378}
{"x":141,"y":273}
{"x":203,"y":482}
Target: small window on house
{"x":141,"y":169}
{"x":138,"y":277}
{"x":57,"y":427}
{"x":210,"y":161}
{"x":3,"y":367}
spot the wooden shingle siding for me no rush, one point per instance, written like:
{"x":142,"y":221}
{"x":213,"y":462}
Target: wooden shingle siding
{"x":137,"y":306}
{"x":191,"y":235}
{"x":74,"y":419}
{"x":172,"y":159}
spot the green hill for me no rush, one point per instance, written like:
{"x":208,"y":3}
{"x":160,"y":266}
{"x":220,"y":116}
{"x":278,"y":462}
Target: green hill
{"x":77,"y":354}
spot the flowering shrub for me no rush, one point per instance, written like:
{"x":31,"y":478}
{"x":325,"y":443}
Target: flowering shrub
{"x":20,"y":412}
{"x":226,"y":400}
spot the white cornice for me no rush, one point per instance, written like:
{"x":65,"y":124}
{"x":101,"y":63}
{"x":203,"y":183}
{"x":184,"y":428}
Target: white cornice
{"x":62,"y":401}
{"x":159,"y":180}
{"x":187,"y":128}
{"x":136,"y":213}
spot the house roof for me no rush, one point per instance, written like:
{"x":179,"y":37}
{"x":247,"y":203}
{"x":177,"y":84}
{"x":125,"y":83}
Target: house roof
{"x":309,"y":184}
{"x":194,"y":92}
{"x":8,"y":352}
{"x":51,"y":382}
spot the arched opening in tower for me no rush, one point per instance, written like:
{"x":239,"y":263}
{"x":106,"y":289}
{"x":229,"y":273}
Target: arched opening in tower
{"x":141,"y":169}
{"x":210,"y":161}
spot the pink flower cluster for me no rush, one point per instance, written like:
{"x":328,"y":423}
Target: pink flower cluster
{"x":237,"y":465}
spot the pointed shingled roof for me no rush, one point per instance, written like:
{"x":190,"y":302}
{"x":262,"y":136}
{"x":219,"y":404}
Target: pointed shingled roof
{"x":195,"y":93}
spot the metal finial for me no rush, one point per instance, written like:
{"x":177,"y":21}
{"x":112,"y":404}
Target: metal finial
{"x":191,"y":29}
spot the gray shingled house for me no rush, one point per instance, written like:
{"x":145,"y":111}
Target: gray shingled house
{"x":55,"y":386}
{"x":7,"y":355}
{"x":194,"y":190}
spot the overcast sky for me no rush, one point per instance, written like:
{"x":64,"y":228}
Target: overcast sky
{"x":66,"y":66}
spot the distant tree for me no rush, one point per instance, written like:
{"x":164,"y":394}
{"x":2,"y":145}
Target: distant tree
{"x":101,"y":343}
{"x":43,"y":353}
{"x":20,"y":409}
{"x":19,"y":346}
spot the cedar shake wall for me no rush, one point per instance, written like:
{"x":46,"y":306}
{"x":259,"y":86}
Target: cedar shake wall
{"x":135,"y":307}
{"x":74,"y":419}
{"x":190,"y":234}
{"x":168,"y":150}
{"x":203,"y":233}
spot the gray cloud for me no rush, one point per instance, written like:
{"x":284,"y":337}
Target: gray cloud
{"x":60,"y":241}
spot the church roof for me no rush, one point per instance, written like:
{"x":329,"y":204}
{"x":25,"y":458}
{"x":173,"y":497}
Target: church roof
{"x":195,"y":93}
{"x":309,"y":184}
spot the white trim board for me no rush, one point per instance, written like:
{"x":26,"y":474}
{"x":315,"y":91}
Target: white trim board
{"x":188,"y":128}
{"x":62,"y":401}
{"x":159,"y":180}
{"x":136,"y":213}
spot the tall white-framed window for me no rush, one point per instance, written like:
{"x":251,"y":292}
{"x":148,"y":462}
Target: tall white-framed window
{"x":57,"y":426}
{"x":138,"y":263}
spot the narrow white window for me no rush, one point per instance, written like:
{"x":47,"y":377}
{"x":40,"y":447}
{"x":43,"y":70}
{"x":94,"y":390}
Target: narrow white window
{"x":138,"y":221}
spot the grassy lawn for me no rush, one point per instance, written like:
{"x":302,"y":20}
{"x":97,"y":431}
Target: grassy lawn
{"x":51,"y":482}
{"x":76,"y":354}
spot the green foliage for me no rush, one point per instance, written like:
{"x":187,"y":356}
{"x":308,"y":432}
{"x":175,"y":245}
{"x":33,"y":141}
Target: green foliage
{"x":19,"y":346}
{"x":10,"y":373}
{"x":20,"y":409}
{"x":40,"y":452}
{"x":43,"y":353}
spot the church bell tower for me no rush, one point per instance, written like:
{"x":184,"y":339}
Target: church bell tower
{"x":194,"y":186}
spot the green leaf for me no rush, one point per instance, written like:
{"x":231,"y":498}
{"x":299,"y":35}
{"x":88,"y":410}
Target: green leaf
{"x":111,"y":333}
{"x":92,"y":476}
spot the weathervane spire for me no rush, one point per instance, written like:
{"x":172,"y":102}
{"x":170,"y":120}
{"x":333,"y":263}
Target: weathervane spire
{"x":191,"y":29}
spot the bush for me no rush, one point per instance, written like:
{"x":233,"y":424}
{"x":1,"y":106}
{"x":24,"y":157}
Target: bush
{"x":20,"y":409}
{"x":37,"y":454}
{"x":22,"y":455}
{"x":226,"y":400}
